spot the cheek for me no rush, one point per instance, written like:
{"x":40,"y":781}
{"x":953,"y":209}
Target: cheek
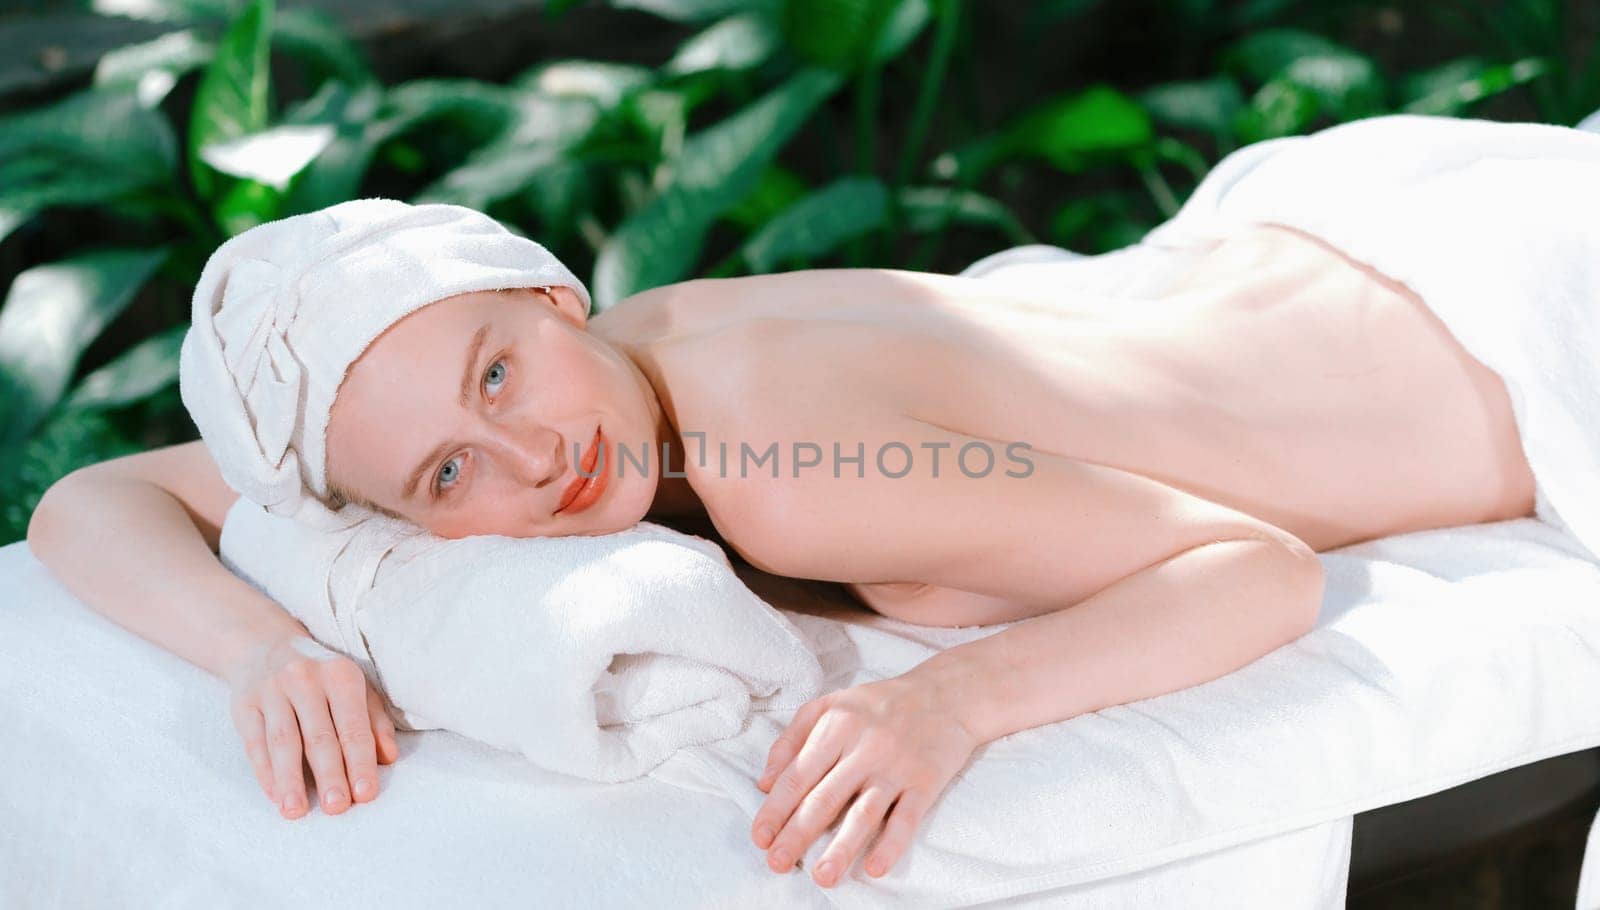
{"x":500,"y":504}
{"x":582,"y":377}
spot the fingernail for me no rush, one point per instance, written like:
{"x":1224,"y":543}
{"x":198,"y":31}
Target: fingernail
{"x":290,"y":805}
{"x":333,"y":798}
{"x":363,"y":787}
{"x":875,"y":868}
{"x":783,"y":860}
{"x":764,"y":834}
{"x":825,"y":872}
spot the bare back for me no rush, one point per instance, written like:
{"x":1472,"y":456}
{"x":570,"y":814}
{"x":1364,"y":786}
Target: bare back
{"x":1277,"y":378}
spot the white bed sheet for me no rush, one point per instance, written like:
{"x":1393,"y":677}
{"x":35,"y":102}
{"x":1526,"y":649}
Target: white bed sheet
{"x":122,"y":784}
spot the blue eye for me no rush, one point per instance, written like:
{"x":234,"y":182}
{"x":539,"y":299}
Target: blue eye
{"x":446,"y":476}
{"x":500,"y":365}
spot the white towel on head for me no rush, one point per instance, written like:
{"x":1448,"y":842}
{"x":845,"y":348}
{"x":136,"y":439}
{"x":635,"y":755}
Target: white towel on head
{"x":597,"y":657}
{"x":282,"y":310}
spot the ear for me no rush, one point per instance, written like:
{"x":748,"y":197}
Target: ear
{"x":568,"y":304}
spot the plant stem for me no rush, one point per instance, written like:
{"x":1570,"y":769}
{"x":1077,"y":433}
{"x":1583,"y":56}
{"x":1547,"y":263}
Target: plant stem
{"x":866,"y":140}
{"x":1160,"y":190}
{"x":948,"y":15}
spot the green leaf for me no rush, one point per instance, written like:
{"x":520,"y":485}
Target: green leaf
{"x":335,"y":175}
{"x":273,"y":156}
{"x":1211,"y":105}
{"x":819,"y":223}
{"x":11,"y":219}
{"x":542,"y":131}
{"x":1346,"y":84}
{"x":153,"y":67}
{"x":478,"y":109}
{"x":1267,"y":53}
{"x":1450,"y":89}
{"x":93,"y":147}
{"x":68,"y":441}
{"x":558,"y":195}
{"x":695,"y":10}
{"x":777,"y":189}
{"x":660,"y":114}
{"x":605,"y":84}
{"x":246,"y":204}
{"x":906,"y":22}
{"x":1098,"y":223}
{"x":840,"y":35}
{"x":316,"y":38}
{"x":177,"y":11}
{"x":232,"y":97}
{"x":141,"y":371}
{"x":490,"y":174}
{"x":736,"y":43}
{"x":52,"y":313}
{"x":1279,"y":108}
{"x":928,"y":208}
{"x":661,"y":242}
{"x":1075,"y":131}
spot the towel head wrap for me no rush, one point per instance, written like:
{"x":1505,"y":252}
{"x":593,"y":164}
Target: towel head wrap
{"x":282,"y":310}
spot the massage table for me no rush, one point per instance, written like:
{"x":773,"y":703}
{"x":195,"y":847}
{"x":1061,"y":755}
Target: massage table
{"x":122,"y":782}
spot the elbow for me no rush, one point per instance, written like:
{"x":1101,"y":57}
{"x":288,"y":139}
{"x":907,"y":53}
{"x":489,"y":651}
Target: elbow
{"x":1307,"y":585}
{"x":52,"y":516}
{"x":40,"y":521}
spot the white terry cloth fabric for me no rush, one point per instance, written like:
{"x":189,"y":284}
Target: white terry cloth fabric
{"x":1439,"y":657}
{"x":1492,"y":224}
{"x":123,"y":784}
{"x":282,"y":310}
{"x":592,"y":656}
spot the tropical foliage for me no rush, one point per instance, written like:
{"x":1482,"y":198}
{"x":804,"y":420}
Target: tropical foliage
{"x":780,"y":134}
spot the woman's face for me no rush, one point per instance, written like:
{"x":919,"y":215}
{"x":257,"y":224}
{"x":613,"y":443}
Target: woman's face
{"x":487,"y":427}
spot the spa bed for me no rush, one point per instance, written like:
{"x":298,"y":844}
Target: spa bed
{"x":122,"y":782}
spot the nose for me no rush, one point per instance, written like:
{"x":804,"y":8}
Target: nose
{"x":535,"y":455}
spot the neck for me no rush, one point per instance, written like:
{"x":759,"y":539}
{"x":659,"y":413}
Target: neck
{"x":674,"y":496}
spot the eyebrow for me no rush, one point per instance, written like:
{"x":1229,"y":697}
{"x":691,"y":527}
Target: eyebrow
{"x":473,"y":349}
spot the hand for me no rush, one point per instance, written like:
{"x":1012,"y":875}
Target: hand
{"x":895,"y":742}
{"x":295,"y":689}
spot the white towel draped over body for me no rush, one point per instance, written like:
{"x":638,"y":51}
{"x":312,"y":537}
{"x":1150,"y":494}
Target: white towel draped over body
{"x":1496,"y":226}
{"x":592,"y":656}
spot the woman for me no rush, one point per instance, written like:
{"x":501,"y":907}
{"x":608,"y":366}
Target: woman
{"x":1163,"y":471}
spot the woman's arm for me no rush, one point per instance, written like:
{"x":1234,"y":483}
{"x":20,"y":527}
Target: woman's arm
{"x":1140,"y":588}
{"x":1193,"y":618}
{"x":134,"y":539}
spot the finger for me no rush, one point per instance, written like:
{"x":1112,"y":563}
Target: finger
{"x":283,"y":747}
{"x":322,"y":743}
{"x":347,"y":702}
{"x":382,"y":728}
{"x":817,"y":756}
{"x":898,"y":831}
{"x":821,"y":805}
{"x":863,"y":818}
{"x":252,"y":728}
{"x":789,"y":742}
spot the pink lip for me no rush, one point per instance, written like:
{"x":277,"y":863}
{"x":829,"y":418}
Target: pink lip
{"x":583,"y":491}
